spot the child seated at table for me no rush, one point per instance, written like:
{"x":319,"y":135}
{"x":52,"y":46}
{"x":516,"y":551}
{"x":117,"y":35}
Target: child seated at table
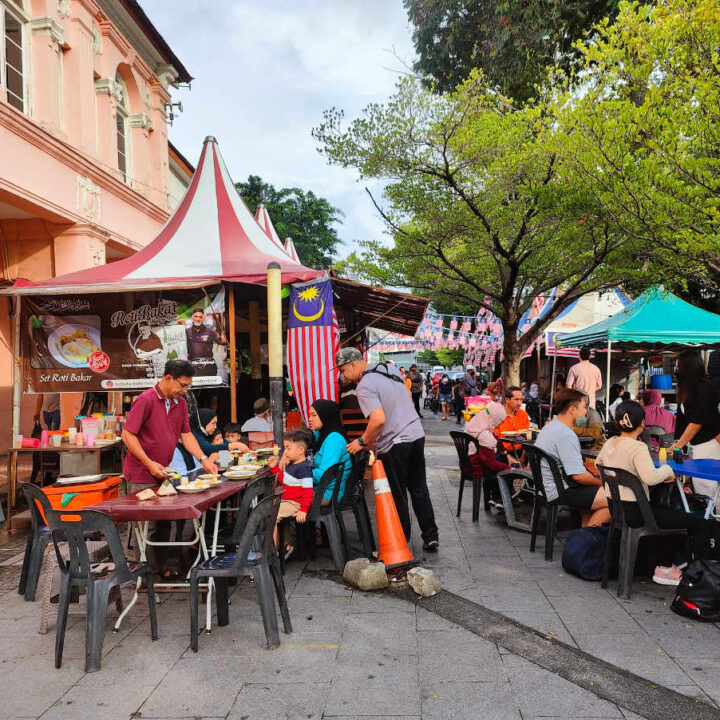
{"x":484,"y":460}
{"x":294,"y":472}
{"x":231,"y":432}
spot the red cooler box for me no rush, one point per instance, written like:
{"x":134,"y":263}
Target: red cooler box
{"x":77,"y":496}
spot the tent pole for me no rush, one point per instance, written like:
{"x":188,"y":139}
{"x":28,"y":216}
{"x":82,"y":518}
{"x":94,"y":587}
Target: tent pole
{"x":275,"y":348}
{"x":552,"y":379}
{"x":233,"y":354}
{"x":12,"y":478}
{"x":607,"y":383}
{"x":254,"y":317}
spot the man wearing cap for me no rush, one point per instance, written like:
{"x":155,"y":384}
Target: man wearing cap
{"x":261,"y":421}
{"x":395,"y":427}
{"x":200,"y":339}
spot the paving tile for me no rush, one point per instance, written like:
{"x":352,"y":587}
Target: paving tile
{"x":637,"y":653}
{"x":35,"y":684}
{"x":427,"y":621}
{"x":106,"y":700}
{"x":527,"y":597}
{"x":469,"y":701}
{"x":582,"y":614}
{"x":312,"y":586}
{"x":540,"y":693}
{"x":291,"y":701}
{"x":681,"y":637}
{"x":706,"y":674}
{"x":555,"y":581}
{"x":394,"y":692}
{"x":214,"y":688}
{"x":362,"y":602}
{"x":444,"y":654}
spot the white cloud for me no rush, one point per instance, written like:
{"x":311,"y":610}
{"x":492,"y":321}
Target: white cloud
{"x":264,"y":73}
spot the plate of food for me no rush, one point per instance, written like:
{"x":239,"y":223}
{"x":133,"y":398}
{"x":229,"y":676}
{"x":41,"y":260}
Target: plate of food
{"x":239,"y":474}
{"x":264,"y":451}
{"x":72,"y":344}
{"x":190,"y":489}
{"x":207,"y":477}
{"x":512,"y":433}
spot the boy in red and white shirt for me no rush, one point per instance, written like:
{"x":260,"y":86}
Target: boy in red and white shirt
{"x":294,"y":473}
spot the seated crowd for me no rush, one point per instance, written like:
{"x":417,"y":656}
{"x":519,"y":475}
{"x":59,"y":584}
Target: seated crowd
{"x":696,"y":425}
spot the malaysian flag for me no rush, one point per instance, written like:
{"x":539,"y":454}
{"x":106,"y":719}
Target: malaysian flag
{"x":313,"y":340}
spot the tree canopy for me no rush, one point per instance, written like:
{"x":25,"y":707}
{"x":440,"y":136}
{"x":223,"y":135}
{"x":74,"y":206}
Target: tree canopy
{"x":481,"y":207}
{"x":511,"y":41}
{"x":301,"y":215}
{"x":639,"y":124}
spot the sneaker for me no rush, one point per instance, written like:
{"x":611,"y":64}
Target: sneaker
{"x":431,"y":546}
{"x":667,"y":575}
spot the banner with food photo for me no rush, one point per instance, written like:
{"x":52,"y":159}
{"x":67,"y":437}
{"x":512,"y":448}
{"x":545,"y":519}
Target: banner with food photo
{"x":120,"y":341}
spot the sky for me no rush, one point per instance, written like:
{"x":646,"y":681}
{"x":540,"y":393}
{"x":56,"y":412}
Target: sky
{"x":264,"y":72}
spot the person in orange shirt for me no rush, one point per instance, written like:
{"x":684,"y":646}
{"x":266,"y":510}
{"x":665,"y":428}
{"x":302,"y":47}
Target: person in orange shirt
{"x":516,"y":420}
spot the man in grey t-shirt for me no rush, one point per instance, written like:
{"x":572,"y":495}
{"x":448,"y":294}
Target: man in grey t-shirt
{"x":396,"y":428}
{"x":583,"y":489}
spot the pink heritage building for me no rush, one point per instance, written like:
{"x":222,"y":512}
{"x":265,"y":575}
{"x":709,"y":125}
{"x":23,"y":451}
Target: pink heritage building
{"x":87,"y":175}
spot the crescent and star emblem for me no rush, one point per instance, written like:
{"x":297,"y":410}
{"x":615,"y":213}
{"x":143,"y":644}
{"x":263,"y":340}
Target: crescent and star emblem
{"x":308,"y":295}
{"x":309,"y":318}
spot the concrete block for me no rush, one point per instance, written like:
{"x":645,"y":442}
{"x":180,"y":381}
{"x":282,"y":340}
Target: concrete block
{"x":423,"y":581}
{"x":365,"y":575}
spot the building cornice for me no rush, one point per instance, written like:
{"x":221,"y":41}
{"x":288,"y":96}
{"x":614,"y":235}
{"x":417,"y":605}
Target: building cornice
{"x":42,"y":24}
{"x":77,"y":161}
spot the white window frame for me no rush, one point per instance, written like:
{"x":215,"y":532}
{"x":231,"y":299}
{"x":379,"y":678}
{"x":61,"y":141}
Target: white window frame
{"x":123,"y":113}
{"x":19,"y":14}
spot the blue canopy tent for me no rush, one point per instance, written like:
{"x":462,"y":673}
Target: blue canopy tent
{"x":656,"y":320}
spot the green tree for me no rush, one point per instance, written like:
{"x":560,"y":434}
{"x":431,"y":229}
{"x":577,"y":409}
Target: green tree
{"x":511,"y":41}
{"x":447,"y":358}
{"x":301,"y":215}
{"x":639,"y":126}
{"x":428,"y":357}
{"x":480,"y":206}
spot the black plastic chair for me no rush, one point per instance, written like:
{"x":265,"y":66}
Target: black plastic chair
{"x":536,"y":456}
{"x":37,"y":541}
{"x":611,"y":429}
{"x":354,"y":500}
{"x":73,"y":527}
{"x":260,"y":564}
{"x":258,"y":489}
{"x":615,"y":478}
{"x":655,"y":437}
{"x":325,"y":514}
{"x":462,"y":441}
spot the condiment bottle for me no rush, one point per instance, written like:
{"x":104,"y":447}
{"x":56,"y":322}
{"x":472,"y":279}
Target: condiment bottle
{"x":662,"y":455}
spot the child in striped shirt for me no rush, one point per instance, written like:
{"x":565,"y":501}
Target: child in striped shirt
{"x":294,"y":473}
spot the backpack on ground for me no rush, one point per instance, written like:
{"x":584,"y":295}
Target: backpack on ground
{"x":698,"y":594}
{"x":584,"y":553}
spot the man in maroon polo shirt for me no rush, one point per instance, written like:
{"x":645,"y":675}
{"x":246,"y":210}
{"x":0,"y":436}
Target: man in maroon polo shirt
{"x":155,"y":423}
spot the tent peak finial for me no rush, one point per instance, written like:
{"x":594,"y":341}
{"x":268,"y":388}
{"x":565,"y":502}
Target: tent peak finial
{"x":210,"y":138}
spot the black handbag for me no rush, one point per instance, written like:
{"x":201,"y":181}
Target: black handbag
{"x":698,"y":594}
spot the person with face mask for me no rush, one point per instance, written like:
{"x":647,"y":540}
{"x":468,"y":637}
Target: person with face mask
{"x":591,"y":425}
{"x":200,"y":339}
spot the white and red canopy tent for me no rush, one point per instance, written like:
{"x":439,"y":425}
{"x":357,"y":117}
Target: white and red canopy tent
{"x":290,"y":250}
{"x":263,"y":220}
{"x":211,"y":237}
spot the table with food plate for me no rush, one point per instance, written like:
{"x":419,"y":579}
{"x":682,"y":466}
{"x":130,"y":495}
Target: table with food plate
{"x":182,"y":498}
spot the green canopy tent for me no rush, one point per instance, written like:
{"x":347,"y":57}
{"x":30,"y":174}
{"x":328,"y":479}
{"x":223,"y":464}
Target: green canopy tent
{"x":656,"y":320}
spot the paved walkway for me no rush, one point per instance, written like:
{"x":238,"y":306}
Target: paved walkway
{"x":357,"y":654}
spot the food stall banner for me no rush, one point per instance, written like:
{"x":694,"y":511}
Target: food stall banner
{"x":121,"y":341}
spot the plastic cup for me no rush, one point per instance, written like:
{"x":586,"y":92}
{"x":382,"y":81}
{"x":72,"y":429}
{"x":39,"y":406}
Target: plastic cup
{"x":89,"y":440}
{"x":44,"y":438}
{"x":79,"y":439}
{"x":57,"y":440}
{"x":72,"y":432}
{"x":17,"y":441}
{"x":224,"y":458}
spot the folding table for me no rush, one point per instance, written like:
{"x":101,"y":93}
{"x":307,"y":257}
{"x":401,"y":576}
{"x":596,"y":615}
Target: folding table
{"x":174,"y":507}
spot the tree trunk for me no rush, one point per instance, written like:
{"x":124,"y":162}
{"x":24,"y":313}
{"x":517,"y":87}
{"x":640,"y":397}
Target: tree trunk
{"x":511,"y":362}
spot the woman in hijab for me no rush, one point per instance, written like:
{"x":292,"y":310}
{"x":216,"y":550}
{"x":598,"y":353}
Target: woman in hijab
{"x":481,"y":427}
{"x":655,"y":414}
{"x":330,"y":444}
{"x":203,"y":425}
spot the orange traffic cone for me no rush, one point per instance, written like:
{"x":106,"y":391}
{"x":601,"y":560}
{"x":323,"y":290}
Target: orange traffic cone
{"x":393,"y":549}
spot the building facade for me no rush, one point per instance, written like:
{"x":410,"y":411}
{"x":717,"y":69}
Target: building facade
{"x":85,"y":169}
